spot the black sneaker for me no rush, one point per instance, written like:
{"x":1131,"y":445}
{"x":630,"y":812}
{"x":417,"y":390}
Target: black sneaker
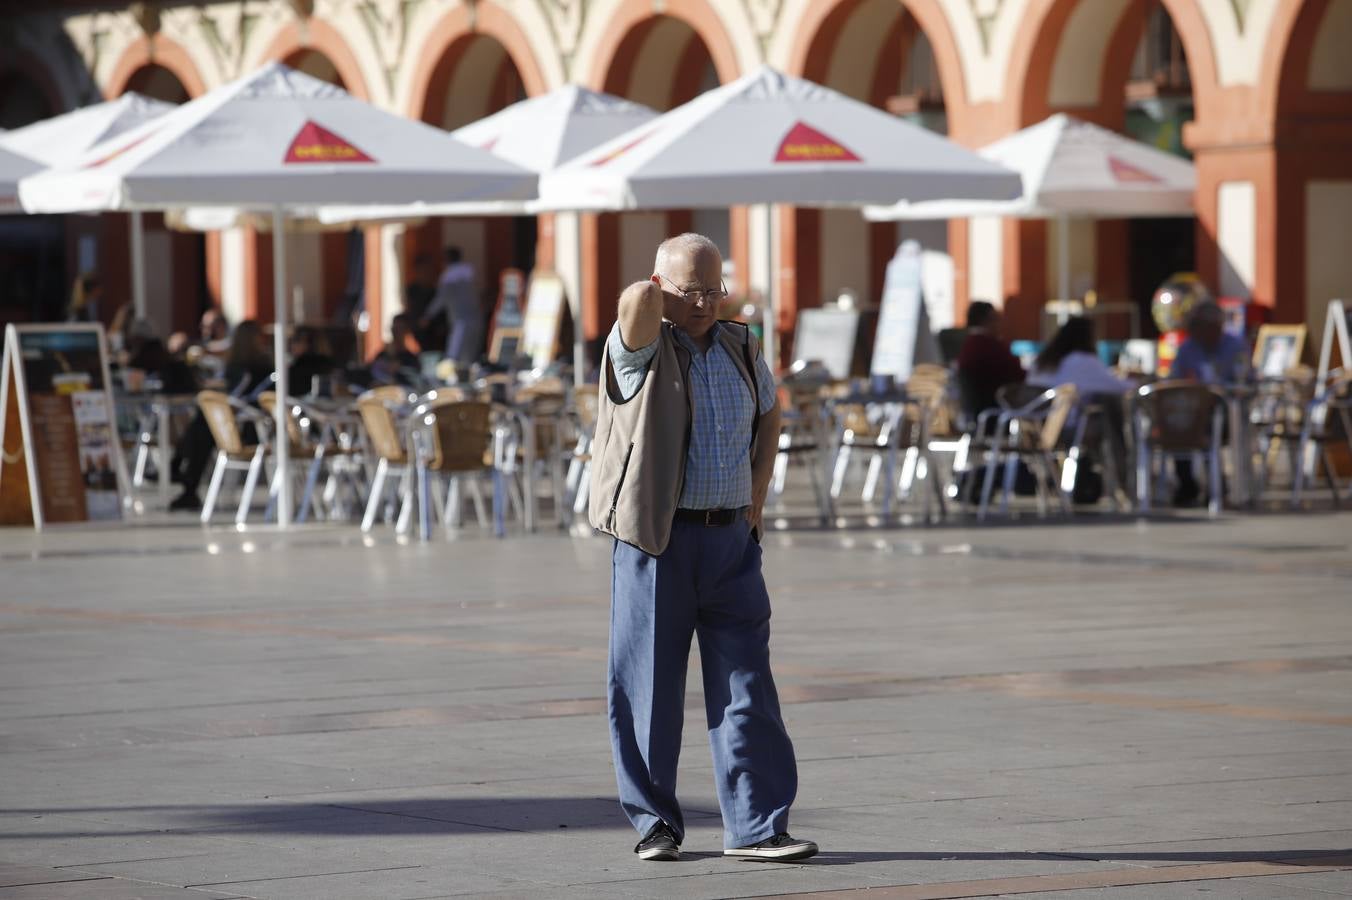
{"x":782,"y":847}
{"x":185,"y":500}
{"x":659,"y":844}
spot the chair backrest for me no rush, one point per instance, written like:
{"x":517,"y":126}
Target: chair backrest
{"x":390,"y":394}
{"x":929,"y":386}
{"x":381,"y":428}
{"x":1058,"y":415}
{"x":268,"y":401}
{"x":1181,"y":414}
{"x":461,"y":433}
{"x":1017,"y":394}
{"x":587,"y":403}
{"x":220,"y":416}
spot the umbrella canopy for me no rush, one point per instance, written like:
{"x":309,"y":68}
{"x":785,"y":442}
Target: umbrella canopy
{"x":772,"y":138}
{"x":277,"y":138}
{"x":538,"y":133}
{"x":14,"y":167}
{"x":1073,"y":169}
{"x":60,"y":140}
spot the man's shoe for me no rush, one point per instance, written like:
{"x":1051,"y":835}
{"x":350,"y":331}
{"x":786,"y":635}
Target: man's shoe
{"x":186,"y":500}
{"x":782,"y":847}
{"x":661,"y":844}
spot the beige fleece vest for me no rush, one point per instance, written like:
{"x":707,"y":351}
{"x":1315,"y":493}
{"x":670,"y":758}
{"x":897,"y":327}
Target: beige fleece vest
{"x":638,"y":455}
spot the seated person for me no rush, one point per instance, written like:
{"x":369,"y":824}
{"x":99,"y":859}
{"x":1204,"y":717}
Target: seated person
{"x":985,"y":362}
{"x":1071,"y":357}
{"x":310,"y":359}
{"x":397,"y":361}
{"x":248,"y":367}
{"x":1208,"y":354}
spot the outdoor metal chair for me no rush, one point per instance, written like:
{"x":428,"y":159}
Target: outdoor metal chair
{"x":1178,"y":420}
{"x":1029,"y":427}
{"x":387,"y":446}
{"x":455,"y":440}
{"x":802,"y":438}
{"x":1327,"y":421}
{"x":577,"y":482}
{"x":223,"y":415}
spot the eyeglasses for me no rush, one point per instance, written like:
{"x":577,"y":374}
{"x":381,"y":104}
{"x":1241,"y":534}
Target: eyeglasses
{"x":710,"y":297}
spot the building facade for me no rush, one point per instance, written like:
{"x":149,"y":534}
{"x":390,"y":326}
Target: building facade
{"x":1258,"y":92}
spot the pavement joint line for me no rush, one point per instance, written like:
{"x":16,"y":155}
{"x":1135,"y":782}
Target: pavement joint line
{"x":114,"y":862}
{"x":207,"y":884}
{"x":1033,"y":884}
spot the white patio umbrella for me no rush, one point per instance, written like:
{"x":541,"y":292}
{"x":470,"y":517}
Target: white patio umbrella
{"x":1071,"y":169}
{"x":60,"y":140}
{"x":13,"y":168}
{"x":538,"y":133}
{"x":772,"y":138}
{"x":275,"y":140}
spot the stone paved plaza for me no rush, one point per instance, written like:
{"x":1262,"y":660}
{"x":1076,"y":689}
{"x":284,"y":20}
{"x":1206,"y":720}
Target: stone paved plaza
{"x":1103,"y":709}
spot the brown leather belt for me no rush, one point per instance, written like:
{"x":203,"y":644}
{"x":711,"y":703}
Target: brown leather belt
{"x":712,"y":518}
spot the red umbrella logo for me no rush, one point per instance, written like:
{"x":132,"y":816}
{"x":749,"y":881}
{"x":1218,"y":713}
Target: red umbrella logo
{"x":804,"y":143}
{"x":316,"y":144}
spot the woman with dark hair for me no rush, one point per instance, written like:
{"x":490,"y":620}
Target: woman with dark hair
{"x":1071,"y":357}
{"x":84,"y":299}
{"x":248,"y":366}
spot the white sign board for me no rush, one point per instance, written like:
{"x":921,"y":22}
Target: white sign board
{"x":827,"y":336}
{"x":904,"y":337}
{"x":544,"y":315}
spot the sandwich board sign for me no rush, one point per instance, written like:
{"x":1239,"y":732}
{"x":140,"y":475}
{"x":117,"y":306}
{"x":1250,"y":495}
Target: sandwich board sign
{"x":60,"y":457}
{"x":903,"y":338}
{"x":544,"y":316}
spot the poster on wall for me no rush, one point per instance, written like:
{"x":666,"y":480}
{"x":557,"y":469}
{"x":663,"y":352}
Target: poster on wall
{"x":62,"y":461}
{"x":544,"y":317}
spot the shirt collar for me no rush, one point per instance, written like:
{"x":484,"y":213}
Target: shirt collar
{"x":690,"y":345}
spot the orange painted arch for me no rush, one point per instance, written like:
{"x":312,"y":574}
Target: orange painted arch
{"x":319,"y":36}
{"x":155,"y":51}
{"x":431,"y":77}
{"x":634,"y":14}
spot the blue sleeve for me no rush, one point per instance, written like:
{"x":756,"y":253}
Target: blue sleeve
{"x":630,"y":365}
{"x":1186,"y":364}
{"x":766,"y":396}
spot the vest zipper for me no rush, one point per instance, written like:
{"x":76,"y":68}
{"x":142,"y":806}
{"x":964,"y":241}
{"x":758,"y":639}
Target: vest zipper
{"x":615,"y":500}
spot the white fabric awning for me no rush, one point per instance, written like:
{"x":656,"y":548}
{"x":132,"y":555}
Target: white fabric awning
{"x":772,"y":138}
{"x":1072,"y":169}
{"x":13,"y":168}
{"x":276,"y":137}
{"x":60,"y":140}
{"x":538,"y":133}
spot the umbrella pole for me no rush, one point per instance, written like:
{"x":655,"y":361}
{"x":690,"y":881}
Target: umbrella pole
{"x":579,"y":343}
{"x":1063,"y":264}
{"x":769,"y":343}
{"x":281,"y":409}
{"x":138,"y":264}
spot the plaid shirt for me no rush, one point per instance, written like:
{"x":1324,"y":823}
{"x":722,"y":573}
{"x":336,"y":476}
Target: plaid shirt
{"x":718,"y":465}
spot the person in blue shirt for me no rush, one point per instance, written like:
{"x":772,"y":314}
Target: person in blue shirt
{"x":706,"y":583}
{"x":1209,"y":356}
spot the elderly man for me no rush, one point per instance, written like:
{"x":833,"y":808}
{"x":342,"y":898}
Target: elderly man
{"x":687,"y":433}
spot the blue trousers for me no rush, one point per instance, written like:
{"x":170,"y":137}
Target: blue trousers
{"x":708,"y":582}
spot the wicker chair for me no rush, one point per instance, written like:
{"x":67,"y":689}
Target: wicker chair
{"x":1030,"y":426}
{"x":454,"y":440}
{"x":387,"y":447}
{"x":223,"y":416}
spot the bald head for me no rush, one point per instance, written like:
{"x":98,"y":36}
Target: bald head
{"x":684,"y":251}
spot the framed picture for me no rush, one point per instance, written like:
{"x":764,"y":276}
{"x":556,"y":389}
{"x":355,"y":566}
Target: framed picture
{"x":506,"y":345}
{"x":1277,"y":348}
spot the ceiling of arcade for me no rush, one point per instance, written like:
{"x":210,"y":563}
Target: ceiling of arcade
{"x":383,"y":40}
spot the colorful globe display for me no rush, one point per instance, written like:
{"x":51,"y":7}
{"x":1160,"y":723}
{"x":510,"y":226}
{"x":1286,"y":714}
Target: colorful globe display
{"x":1181,"y":293}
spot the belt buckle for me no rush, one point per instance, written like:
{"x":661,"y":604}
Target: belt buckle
{"x":709,"y":518}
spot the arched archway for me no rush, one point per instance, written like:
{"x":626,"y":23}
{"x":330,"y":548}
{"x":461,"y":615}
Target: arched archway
{"x":661,"y":60}
{"x":470,"y":70}
{"x":1307,"y":92}
{"x":879,"y":52}
{"x":1144,"y":67}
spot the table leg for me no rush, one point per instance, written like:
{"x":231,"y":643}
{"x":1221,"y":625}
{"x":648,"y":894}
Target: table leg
{"x":163,"y":414}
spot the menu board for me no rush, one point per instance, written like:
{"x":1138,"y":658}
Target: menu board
{"x":827,"y":336}
{"x":58,"y":432}
{"x":544,"y":316}
{"x":902,"y":325}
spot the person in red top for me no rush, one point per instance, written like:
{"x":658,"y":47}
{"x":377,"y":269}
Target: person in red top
{"x":985,"y":362}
